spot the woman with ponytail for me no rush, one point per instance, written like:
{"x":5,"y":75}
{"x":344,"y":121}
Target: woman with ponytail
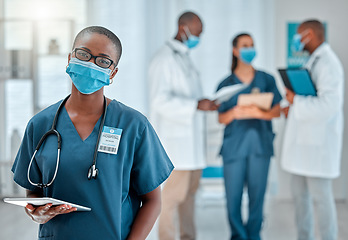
{"x":248,"y":140}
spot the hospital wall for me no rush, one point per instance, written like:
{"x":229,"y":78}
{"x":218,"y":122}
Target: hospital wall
{"x":334,"y":13}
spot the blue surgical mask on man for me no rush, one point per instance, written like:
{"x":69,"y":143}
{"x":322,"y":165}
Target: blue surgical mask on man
{"x":87,"y":76}
{"x":192,"y":40}
{"x":297,"y":45}
{"x":247,"y":55}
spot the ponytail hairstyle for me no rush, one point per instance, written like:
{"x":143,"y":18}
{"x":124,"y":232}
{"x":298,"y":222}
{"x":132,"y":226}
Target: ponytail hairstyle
{"x":234,"y":44}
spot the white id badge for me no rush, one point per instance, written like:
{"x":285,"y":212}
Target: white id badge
{"x":109,"y":140}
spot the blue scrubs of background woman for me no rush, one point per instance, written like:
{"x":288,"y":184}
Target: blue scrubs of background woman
{"x":248,"y":140}
{"x":125,"y":198}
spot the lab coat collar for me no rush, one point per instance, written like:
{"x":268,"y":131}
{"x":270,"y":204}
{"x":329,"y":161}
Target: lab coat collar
{"x":178,"y":46}
{"x":320,"y":49}
{"x":317,"y":52}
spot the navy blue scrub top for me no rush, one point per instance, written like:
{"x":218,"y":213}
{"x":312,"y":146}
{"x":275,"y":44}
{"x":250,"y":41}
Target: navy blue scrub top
{"x":243,"y":138}
{"x":140,"y":166}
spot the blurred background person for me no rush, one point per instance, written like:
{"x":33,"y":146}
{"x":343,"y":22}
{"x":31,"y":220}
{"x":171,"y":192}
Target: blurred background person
{"x":176,"y":110}
{"x":313,"y":134}
{"x":248,"y":140}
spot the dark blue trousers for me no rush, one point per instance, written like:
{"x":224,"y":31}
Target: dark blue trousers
{"x":250,"y":172}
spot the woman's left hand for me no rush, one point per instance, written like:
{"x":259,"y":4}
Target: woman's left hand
{"x":290,"y":95}
{"x":42,"y":214}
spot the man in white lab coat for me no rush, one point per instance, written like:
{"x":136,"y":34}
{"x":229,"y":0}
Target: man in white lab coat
{"x":313,"y":135}
{"x":176,"y":112}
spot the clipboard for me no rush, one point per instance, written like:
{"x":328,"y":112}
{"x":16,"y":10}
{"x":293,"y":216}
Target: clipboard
{"x":43,"y":201}
{"x":261,"y":100}
{"x":299,"y":81}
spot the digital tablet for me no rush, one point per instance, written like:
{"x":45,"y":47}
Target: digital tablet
{"x":42,"y":201}
{"x":285,"y":78}
{"x":299,"y":81}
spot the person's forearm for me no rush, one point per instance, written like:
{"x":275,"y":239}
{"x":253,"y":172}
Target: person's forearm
{"x":174,"y":107}
{"x":226,"y":117}
{"x":145,"y":219}
{"x":273,"y":113}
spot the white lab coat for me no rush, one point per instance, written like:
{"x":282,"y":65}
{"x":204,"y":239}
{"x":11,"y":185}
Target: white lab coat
{"x":314,"y":130}
{"x":174,"y":93}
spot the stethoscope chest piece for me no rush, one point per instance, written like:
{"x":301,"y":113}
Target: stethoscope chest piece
{"x":92,"y":172}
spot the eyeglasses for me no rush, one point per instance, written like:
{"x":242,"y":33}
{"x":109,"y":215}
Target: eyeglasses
{"x":83,"y":55}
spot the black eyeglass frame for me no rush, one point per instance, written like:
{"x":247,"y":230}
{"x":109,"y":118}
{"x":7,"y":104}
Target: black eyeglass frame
{"x":92,"y":56}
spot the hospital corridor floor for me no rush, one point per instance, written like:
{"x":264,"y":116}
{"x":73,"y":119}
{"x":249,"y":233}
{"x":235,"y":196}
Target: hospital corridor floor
{"x":210,"y":219}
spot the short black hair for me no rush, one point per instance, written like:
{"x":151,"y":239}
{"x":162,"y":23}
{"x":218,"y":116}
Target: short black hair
{"x":316,"y":26}
{"x":186,"y":17}
{"x":104,"y":31}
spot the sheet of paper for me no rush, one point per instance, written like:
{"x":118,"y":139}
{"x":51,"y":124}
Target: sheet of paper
{"x":226,"y":93}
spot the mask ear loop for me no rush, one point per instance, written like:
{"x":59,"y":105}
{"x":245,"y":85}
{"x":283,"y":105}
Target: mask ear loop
{"x":304,"y":33}
{"x":187,"y":31}
{"x":183,"y":37}
{"x":112,"y":79}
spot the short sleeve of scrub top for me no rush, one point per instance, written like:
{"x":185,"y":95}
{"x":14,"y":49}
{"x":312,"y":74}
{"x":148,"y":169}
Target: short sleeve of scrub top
{"x":140,"y":166}
{"x":26,"y":151}
{"x":249,"y":136}
{"x":272,"y":87}
{"x":149,"y":174}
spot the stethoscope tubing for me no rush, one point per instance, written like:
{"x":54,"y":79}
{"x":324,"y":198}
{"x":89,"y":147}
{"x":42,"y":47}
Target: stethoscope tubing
{"x":53,"y":131}
{"x":41,"y":185}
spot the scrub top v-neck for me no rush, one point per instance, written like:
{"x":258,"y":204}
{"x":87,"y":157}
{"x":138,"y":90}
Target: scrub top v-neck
{"x":243,"y":138}
{"x":70,"y":124}
{"x":139,"y":167}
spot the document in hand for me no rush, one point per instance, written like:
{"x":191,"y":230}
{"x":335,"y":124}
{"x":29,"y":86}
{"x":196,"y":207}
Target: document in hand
{"x":298,"y":81}
{"x":261,"y":100}
{"x":225,"y":93}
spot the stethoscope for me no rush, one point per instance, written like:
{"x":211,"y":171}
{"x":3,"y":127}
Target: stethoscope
{"x":179,"y":59}
{"x":92,"y":171}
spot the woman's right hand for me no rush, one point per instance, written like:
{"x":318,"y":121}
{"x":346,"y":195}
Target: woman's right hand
{"x":238,"y":112}
{"x":43,"y":214}
{"x":235,"y":113}
{"x":244,"y":112}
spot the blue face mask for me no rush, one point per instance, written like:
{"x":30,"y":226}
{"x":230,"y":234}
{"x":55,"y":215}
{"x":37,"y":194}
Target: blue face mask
{"x":87,"y":77}
{"x":192,"y":40}
{"x":247,"y":55}
{"x":296,"y":44}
